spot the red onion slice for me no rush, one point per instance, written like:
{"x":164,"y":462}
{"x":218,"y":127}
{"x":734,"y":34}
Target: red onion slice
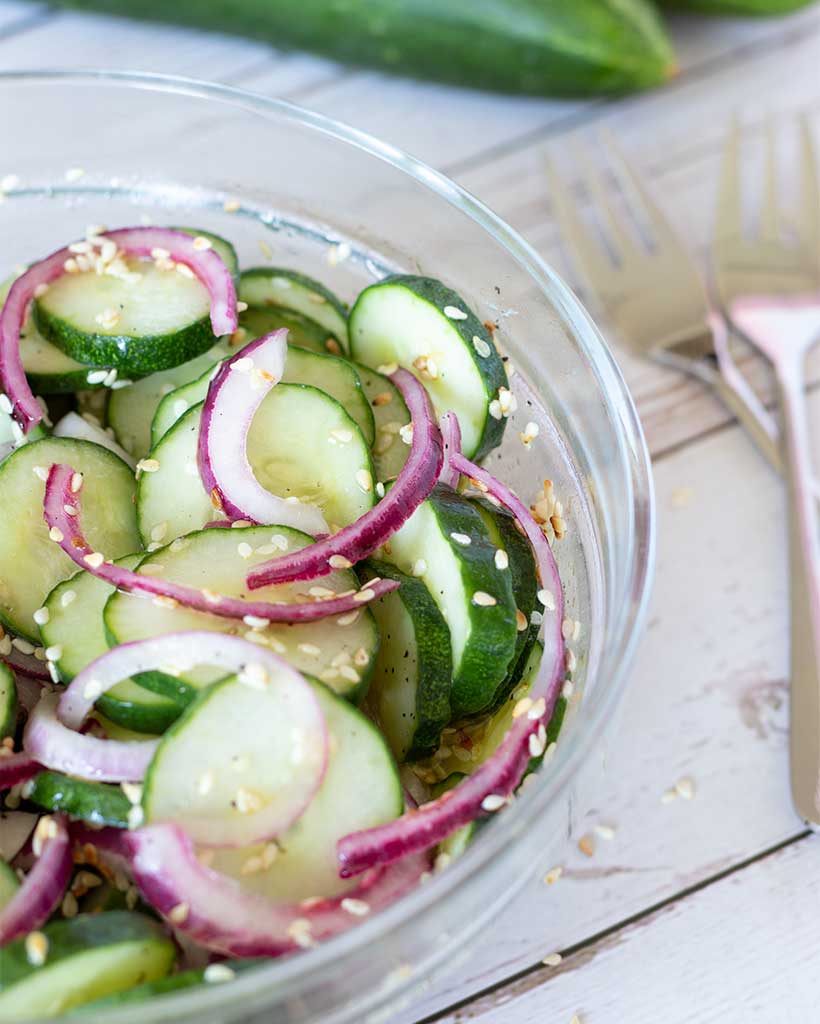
{"x":206,"y":264}
{"x":45,"y":883}
{"x":27,"y":664}
{"x":66,"y":530}
{"x":451,"y":435}
{"x":216,"y":912}
{"x":492,"y":784}
{"x":234,"y":395}
{"x":414,"y":483}
{"x":29,"y":690}
{"x":16,"y":768}
{"x":16,"y":829}
{"x":63,"y":750}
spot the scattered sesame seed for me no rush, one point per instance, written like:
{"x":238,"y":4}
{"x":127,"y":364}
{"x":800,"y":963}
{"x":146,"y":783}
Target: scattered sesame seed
{"x":136,"y":817}
{"x":547,"y":599}
{"x":338,"y":253}
{"x":205,"y":783}
{"x":454,"y":313}
{"x":339,"y":562}
{"x":502,"y":559}
{"x":179,"y":913}
{"x":347,"y":619}
{"x":67,"y":598}
{"x":231,"y":205}
{"x":299,"y":931}
{"x":668,"y":796}
{"x":23,"y":646}
{"x":41,"y":616}
{"x":108,"y":319}
{"x":310,"y":649}
{"x":493,"y":802}
{"x":54,"y":653}
{"x":364,"y":595}
{"x":96,"y":376}
{"x":254,"y":621}
{"x":586,"y":845}
{"x":247,"y":801}
{"x":244,"y":549}
{"x":215,"y":974}
{"x":483,"y":599}
{"x":521,"y":621}
{"x":9,"y":182}
{"x":552,"y":876}
{"x":552,"y":960}
{"x":349,"y":673}
{"x":685,"y":788}
{"x":69,"y":906}
{"x":380,"y":489}
{"x":74,"y":173}
{"x":159,"y":531}
{"x":241,"y":307}
{"x":201,"y":244}
{"x":605,"y":831}
{"x":94,"y":560}
{"x":358,"y":908}
{"x":461,"y":538}
{"x":481,"y":346}
{"x":36,"y":948}
{"x":133,"y":791}
{"x":538,"y":710}
{"x":419,"y":567}
{"x":364,"y":479}
{"x":537,"y":744}
{"x":341,"y":435}
{"x":147,"y":466}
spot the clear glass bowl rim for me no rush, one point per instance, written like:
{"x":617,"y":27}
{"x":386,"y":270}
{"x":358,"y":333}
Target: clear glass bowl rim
{"x":635,"y":587}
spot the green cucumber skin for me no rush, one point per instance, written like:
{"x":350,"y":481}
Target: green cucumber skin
{"x":302,"y":331}
{"x":8,"y":702}
{"x":490,"y":368}
{"x":221,"y":246}
{"x":434,"y":656}
{"x":759,"y":8}
{"x":133,"y":357}
{"x":540,"y":47}
{"x":307,"y":282}
{"x":95,"y":802}
{"x":171,"y":983}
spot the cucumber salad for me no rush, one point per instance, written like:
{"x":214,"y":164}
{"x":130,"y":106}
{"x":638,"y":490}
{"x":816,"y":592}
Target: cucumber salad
{"x":275,"y":644}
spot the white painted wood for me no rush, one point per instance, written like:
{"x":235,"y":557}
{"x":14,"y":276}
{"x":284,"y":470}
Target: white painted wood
{"x":742,"y":951}
{"x":707,"y":702}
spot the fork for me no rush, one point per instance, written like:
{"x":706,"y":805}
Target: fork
{"x":769,"y":284}
{"x":654,"y":293}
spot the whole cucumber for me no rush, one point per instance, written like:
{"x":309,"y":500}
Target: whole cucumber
{"x":542,"y":47}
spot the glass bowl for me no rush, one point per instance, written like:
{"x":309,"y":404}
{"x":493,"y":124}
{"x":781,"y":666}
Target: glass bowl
{"x":284,"y":183}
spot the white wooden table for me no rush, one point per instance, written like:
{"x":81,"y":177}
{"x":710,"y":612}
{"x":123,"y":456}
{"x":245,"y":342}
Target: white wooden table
{"x":695,"y":910}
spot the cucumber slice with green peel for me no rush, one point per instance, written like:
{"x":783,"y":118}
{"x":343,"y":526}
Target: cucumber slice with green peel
{"x":340,"y":651}
{"x":336,"y":377}
{"x":9,"y":883}
{"x":361,"y":789}
{"x":8,"y":702}
{"x":288,"y":289}
{"x":424,"y":326}
{"x":95,"y":802}
{"x":210,"y":764}
{"x":390,"y":415}
{"x":131,"y":409}
{"x":301,"y":444}
{"x":446,"y":544}
{"x":302,"y":331}
{"x":31,"y":564}
{"x":219,"y":244}
{"x":410,"y":692}
{"x":89,"y":956}
{"x":141,"y":325}
{"x":504,"y":533}
{"x":75,"y":629}
{"x":171,"y":983}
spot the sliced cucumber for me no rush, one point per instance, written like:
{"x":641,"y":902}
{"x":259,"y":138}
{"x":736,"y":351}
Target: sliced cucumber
{"x":94,"y":802}
{"x":89,"y":956}
{"x":406,"y":319}
{"x":220,"y":245}
{"x":410,"y":692}
{"x":8,"y":702}
{"x":278,"y":761}
{"x":504,"y":533}
{"x":132,"y":408}
{"x":341,"y":654}
{"x":172,"y":983}
{"x":446,"y":544}
{"x":301,"y":444}
{"x":361,"y":789}
{"x":9,"y":883}
{"x":390,"y":415}
{"x":288,"y":289}
{"x":31,"y":564}
{"x":75,"y":628}
{"x":336,"y":377}
{"x":157,"y":320}
{"x":302,"y":332}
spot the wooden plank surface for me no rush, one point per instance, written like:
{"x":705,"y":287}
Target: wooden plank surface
{"x":707,"y":700}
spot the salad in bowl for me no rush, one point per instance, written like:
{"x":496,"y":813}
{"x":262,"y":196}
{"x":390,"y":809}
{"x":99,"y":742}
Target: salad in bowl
{"x":276,"y":642}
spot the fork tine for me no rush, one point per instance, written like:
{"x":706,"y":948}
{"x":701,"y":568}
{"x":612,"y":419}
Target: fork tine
{"x":770,"y":207}
{"x":729,"y":213}
{"x":619,"y":236}
{"x":808,"y":219}
{"x":586,"y":250}
{"x":635,"y":188}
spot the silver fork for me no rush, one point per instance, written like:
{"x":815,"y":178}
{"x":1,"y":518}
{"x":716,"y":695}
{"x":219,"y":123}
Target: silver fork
{"x":769,"y":283}
{"x":654,"y":293}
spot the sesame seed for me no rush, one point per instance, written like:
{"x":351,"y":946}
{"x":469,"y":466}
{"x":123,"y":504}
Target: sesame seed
{"x":241,"y":307}
{"x":70,"y":510}
{"x":299,"y":931}
{"x":247,"y":801}
{"x":41,"y":616}
{"x":685,"y":788}
{"x":494,"y":409}
{"x":576,"y":1019}
{"x":552,"y":876}
{"x":493,"y":802}
{"x":419,"y":567}
{"x":552,"y":960}
{"x":147,"y":465}
{"x":605,"y":831}
{"x":538,"y":710}
{"x":338,"y":253}
{"x":244,"y":550}
{"x":201,"y":244}
{"x":23,"y":646}
{"x":40,"y":471}
{"x":215,"y":974}
{"x":454,"y":313}
{"x":265,"y":249}
{"x":108,"y":318}
{"x":321,"y":593}
{"x":668,"y":796}
{"x":349,"y":673}
{"x":501,"y":559}
{"x":136,"y":817}
{"x":347,"y":619}
{"x":231,"y":205}
{"x":69,"y":906}
{"x":74,"y":174}
{"x":133,"y":791}
{"x":9,"y":182}
{"x":205,"y":783}
{"x":364,"y":595}
{"x":341,"y":435}
{"x":67,"y":598}
{"x":310,"y":649}
{"x":547,"y":599}
{"x":521,"y":622}
{"x":339,"y":562}
{"x":537,"y":744}
{"x":159,"y":531}
{"x":461,"y":538}
{"x":92,"y":689}
{"x":483,"y":599}
{"x":94,"y":560}
{"x":179,"y":913}
{"x":586,"y":845}
{"x":36,"y":948}
{"x":96,"y":376}
{"x":254,"y":621}
{"x":358,"y":908}
{"x":54,"y":653}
